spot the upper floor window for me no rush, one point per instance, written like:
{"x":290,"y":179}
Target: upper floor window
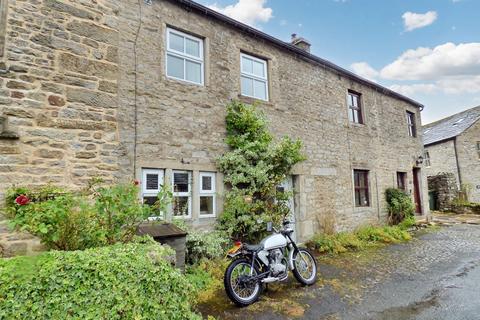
{"x":182,"y":193}
{"x":362,"y":194}
{"x":207,"y":194}
{"x":402,"y":180}
{"x":478,"y":149}
{"x":184,"y":57}
{"x":412,"y":126}
{"x":426,"y":160}
{"x":354,"y":107}
{"x":254,"y":78}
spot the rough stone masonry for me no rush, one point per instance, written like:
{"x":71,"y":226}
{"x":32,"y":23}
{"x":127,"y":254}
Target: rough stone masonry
{"x":83,"y":88}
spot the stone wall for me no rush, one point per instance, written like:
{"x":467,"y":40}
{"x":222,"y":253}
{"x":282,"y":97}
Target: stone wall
{"x":58,"y":93}
{"x":442,"y":159}
{"x":84,"y":86}
{"x":469,"y":160}
{"x":445,"y":188}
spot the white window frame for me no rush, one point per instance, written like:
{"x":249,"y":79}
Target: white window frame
{"x":254,"y":77}
{"x":207,"y":193}
{"x":185,"y":56}
{"x":426,"y":159}
{"x":183,"y":194}
{"x":152,"y":193}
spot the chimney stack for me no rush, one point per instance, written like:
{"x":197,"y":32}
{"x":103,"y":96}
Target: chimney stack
{"x":300,"y":42}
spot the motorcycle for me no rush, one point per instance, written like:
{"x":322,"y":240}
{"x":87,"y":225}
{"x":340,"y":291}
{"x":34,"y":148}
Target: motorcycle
{"x":254,"y":266}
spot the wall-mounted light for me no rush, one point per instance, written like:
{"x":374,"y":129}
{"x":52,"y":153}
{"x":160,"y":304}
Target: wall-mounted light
{"x":419,"y":160}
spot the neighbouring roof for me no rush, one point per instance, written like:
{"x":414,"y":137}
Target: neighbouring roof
{"x":192,"y":5}
{"x":450,"y":127}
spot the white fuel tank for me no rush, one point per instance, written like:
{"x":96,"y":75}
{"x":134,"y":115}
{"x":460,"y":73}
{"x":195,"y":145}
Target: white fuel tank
{"x":274,"y":241}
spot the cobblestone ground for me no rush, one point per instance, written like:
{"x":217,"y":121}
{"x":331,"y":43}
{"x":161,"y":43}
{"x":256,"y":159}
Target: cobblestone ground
{"x":435,"y":276}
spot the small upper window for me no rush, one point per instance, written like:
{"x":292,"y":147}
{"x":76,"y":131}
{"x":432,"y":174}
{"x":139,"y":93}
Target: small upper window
{"x":3,"y":25}
{"x":412,"y":126}
{"x":426,"y":160}
{"x":254,"y":78}
{"x":184,"y":57}
{"x":478,"y":149}
{"x":354,"y":107}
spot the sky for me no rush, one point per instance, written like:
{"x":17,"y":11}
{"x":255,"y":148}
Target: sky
{"x":428,"y":50}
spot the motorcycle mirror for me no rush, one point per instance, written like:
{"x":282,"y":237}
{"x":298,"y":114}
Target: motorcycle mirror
{"x":269,"y":226}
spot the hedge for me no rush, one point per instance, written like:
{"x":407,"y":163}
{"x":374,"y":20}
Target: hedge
{"x":123,"y":281}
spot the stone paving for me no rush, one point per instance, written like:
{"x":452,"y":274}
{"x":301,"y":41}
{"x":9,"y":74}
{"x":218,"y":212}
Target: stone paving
{"x":401,"y":281}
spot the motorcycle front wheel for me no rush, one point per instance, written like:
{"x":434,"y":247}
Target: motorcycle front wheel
{"x":305,"y":270}
{"x":237,"y":285}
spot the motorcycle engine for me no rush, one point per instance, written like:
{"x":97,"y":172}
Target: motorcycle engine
{"x":278,"y":264}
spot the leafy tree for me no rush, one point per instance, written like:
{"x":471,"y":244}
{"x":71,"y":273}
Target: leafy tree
{"x":253,"y":169}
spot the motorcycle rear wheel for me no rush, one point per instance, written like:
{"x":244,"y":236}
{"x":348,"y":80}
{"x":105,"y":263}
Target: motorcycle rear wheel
{"x":241,"y":293}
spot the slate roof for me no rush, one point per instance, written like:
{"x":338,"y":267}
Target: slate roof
{"x":192,"y":5}
{"x":450,"y":127}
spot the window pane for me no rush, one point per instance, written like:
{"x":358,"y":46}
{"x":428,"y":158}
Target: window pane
{"x":175,"y":67}
{"x":192,"y":47}
{"x":260,"y":90}
{"x":180,"y":182}
{"x":152,"y":181}
{"x":180,"y":206}
{"x":258,"y":69}
{"x":206,"y":183}
{"x":194,"y":72}
{"x":350,"y":115}
{"x":363,"y":198}
{"x":247,"y":65}
{"x":176,"y":42}
{"x":247,"y":86}
{"x":150,"y":201}
{"x":206,"y":205}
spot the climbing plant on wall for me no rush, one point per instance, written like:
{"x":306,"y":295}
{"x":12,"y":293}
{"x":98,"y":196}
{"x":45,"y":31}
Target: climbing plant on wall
{"x":253,"y":168}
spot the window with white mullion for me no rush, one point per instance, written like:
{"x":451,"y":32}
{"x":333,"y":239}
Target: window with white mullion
{"x":152,"y":182}
{"x":207,"y":194}
{"x":184,"y":57}
{"x":182,"y":193}
{"x":254,"y":77}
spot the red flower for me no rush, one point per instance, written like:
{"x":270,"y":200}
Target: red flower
{"x":22,"y":200}
{"x":136,"y":182}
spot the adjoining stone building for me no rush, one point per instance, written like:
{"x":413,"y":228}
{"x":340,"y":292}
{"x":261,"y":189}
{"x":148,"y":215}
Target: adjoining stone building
{"x":132,"y":89}
{"x":452,"y":145}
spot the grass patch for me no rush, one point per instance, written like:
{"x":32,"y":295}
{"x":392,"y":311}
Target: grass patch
{"x":360,"y":239}
{"x":207,"y":278}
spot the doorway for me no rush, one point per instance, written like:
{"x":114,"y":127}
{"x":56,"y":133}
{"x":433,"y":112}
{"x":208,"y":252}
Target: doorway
{"x":416,"y":191}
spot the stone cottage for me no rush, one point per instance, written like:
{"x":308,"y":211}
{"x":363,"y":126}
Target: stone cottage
{"x":452,"y":145}
{"x":133,"y":89}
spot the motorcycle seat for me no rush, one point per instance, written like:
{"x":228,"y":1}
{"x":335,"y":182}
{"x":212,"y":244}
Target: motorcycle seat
{"x":254,"y":247}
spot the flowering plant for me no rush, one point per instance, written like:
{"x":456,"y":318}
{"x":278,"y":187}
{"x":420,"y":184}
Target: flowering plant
{"x":22,"y":200}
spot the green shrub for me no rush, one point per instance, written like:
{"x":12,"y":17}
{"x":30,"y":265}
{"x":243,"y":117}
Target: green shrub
{"x":400,"y":205}
{"x":203,"y":245}
{"x":75,"y":221}
{"x":358,"y":240}
{"x":123,"y":281}
{"x":253,"y":168}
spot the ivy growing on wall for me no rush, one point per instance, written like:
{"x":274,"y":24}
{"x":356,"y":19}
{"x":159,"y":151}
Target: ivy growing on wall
{"x":253,"y":168}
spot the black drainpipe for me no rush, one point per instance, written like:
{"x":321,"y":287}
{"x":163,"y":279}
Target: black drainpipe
{"x":458,"y":163}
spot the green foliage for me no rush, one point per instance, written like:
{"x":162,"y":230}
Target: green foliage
{"x":203,"y":245}
{"x":358,"y":240}
{"x":253,"y":169}
{"x":95,"y":217}
{"x":123,"y":281}
{"x":207,"y":278}
{"x":400,"y":205}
